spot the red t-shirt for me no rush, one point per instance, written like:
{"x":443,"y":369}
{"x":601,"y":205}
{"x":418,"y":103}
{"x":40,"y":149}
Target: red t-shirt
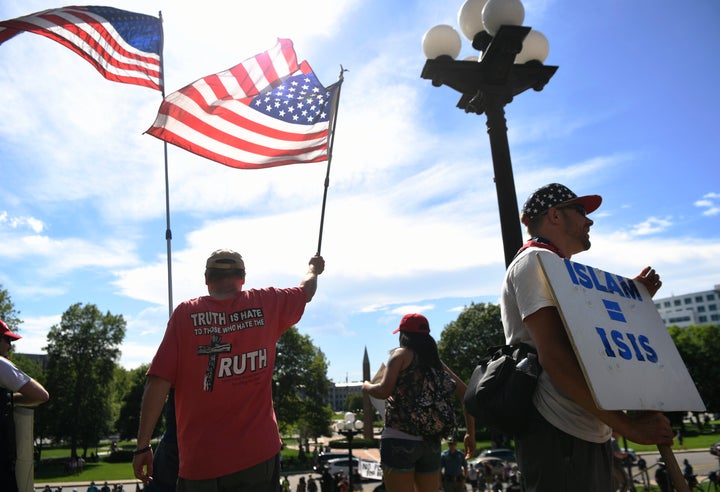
{"x":219,"y":355}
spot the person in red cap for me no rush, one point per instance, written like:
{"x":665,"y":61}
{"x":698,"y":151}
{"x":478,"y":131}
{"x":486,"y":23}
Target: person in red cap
{"x":567,"y":444}
{"x":410,"y":458}
{"x":16,"y":388}
{"x":218,"y":353}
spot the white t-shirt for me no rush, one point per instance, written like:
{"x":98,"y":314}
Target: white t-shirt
{"x":11,"y":377}
{"x":524,"y":292}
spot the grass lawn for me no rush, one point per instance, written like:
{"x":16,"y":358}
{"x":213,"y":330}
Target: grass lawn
{"x":51,"y":469}
{"x":99,"y":472}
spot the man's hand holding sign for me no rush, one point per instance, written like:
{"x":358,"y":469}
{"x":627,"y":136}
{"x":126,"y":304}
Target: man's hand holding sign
{"x":602,"y":347}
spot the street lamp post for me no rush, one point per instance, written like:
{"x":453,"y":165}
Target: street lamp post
{"x":511,"y":63}
{"x":349,"y":428}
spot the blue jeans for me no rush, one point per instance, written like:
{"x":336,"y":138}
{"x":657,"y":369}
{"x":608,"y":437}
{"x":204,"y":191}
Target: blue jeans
{"x":404,"y":455}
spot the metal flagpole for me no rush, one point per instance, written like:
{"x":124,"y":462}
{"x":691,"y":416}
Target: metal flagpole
{"x":331,"y":140}
{"x":168,"y":231}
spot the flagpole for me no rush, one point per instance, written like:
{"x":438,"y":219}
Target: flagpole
{"x":168,"y":231}
{"x":336,"y":105}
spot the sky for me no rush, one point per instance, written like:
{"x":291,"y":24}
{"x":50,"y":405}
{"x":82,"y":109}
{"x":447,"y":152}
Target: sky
{"x":411,"y":221}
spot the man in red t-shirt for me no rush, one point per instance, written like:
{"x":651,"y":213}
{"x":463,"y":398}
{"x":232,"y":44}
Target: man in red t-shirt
{"x":218,"y":353}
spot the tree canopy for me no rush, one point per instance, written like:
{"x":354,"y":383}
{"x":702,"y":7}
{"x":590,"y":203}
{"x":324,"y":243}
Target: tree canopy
{"x":129,"y":399}
{"x":83,"y":351}
{"x":698,"y":347}
{"x":464,"y":341}
{"x":8,"y":313}
{"x":300,"y":385}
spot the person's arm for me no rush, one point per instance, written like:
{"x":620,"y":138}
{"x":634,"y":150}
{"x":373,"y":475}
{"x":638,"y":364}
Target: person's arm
{"x":309,"y":281}
{"x":469,"y":439}
{"x":153,"y":401}
{"x":558,"y":360}
{"x":399,"y":360}
{"x":31,"y":394}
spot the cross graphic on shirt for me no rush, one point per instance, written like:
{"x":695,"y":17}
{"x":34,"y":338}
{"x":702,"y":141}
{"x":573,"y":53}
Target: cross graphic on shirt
{"x":212,"y":351}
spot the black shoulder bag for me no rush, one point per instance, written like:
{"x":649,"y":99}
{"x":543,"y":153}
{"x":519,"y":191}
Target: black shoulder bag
{"x":500,"y":392}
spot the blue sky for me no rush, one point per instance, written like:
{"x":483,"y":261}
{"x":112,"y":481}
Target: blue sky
{"x":411,"y":223}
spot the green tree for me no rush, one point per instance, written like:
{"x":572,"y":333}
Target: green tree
{"x":698,"y":347}
{"x":300,"y":386}
{"x":354,"y":403}
{"x":464,"y":341}
{"x":129,"y":414}
{"x":128,"y":418}
{"x":120,"y":389}
{"x":83,"y":351}
{"x":8,"y":313}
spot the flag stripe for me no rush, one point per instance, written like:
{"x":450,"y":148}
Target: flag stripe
{"x":104,"y":40}
{"x":236,"y":129}
{"x":233,"y":117}
{"x":87,"y":32}
{"x":238,"y":137}
{"x":193,"y":139}
{"x":241,"y":163}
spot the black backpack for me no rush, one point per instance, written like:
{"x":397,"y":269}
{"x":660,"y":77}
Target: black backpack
{"x":500,"y":392}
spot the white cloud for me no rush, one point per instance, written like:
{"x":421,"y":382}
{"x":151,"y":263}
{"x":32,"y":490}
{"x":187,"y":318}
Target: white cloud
{"x":34,"y":332}
{"x":711,"y":203}
{"x":411,"y":308}
{"x":35,"y":225}
{"x":652,"y":225}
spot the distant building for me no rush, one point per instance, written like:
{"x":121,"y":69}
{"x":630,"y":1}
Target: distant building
{"x":698,"y":308}
{"x":39,"y":359}
{"x":339,"y":392}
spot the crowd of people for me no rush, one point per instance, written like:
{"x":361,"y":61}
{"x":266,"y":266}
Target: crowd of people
{"x":105,"y":487}
{"x":217,"y":356}
{"x":327,"y":482}
{"x":565,"y":447}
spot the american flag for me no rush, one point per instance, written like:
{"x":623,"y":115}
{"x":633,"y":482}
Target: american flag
{"x":267,"y":111}
{"x":123,"y":46}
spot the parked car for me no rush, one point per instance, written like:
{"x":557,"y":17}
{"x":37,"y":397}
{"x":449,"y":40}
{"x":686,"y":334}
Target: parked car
{"x":340,"y":465}
{"x":715,"y":449}
{"x":490,"y":465}
{"x":500,"y":453}
{"x":324,"y":457}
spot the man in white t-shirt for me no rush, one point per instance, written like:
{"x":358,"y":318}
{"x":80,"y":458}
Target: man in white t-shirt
{"x":16,"y":388}
{"x":567,"y":444}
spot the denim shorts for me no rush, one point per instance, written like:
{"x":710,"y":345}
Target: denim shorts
{"x":404,"y":455}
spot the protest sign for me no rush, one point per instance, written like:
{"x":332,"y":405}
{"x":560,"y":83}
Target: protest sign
{"x":627,"y":355}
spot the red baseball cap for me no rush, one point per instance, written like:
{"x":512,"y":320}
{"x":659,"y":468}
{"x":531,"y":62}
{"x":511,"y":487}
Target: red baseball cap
{"x":414,"y":323}
{"x":5,"y":331}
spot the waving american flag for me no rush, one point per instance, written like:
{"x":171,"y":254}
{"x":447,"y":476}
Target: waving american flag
{"x":123,"y":46}
{"x":267,"y":111}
